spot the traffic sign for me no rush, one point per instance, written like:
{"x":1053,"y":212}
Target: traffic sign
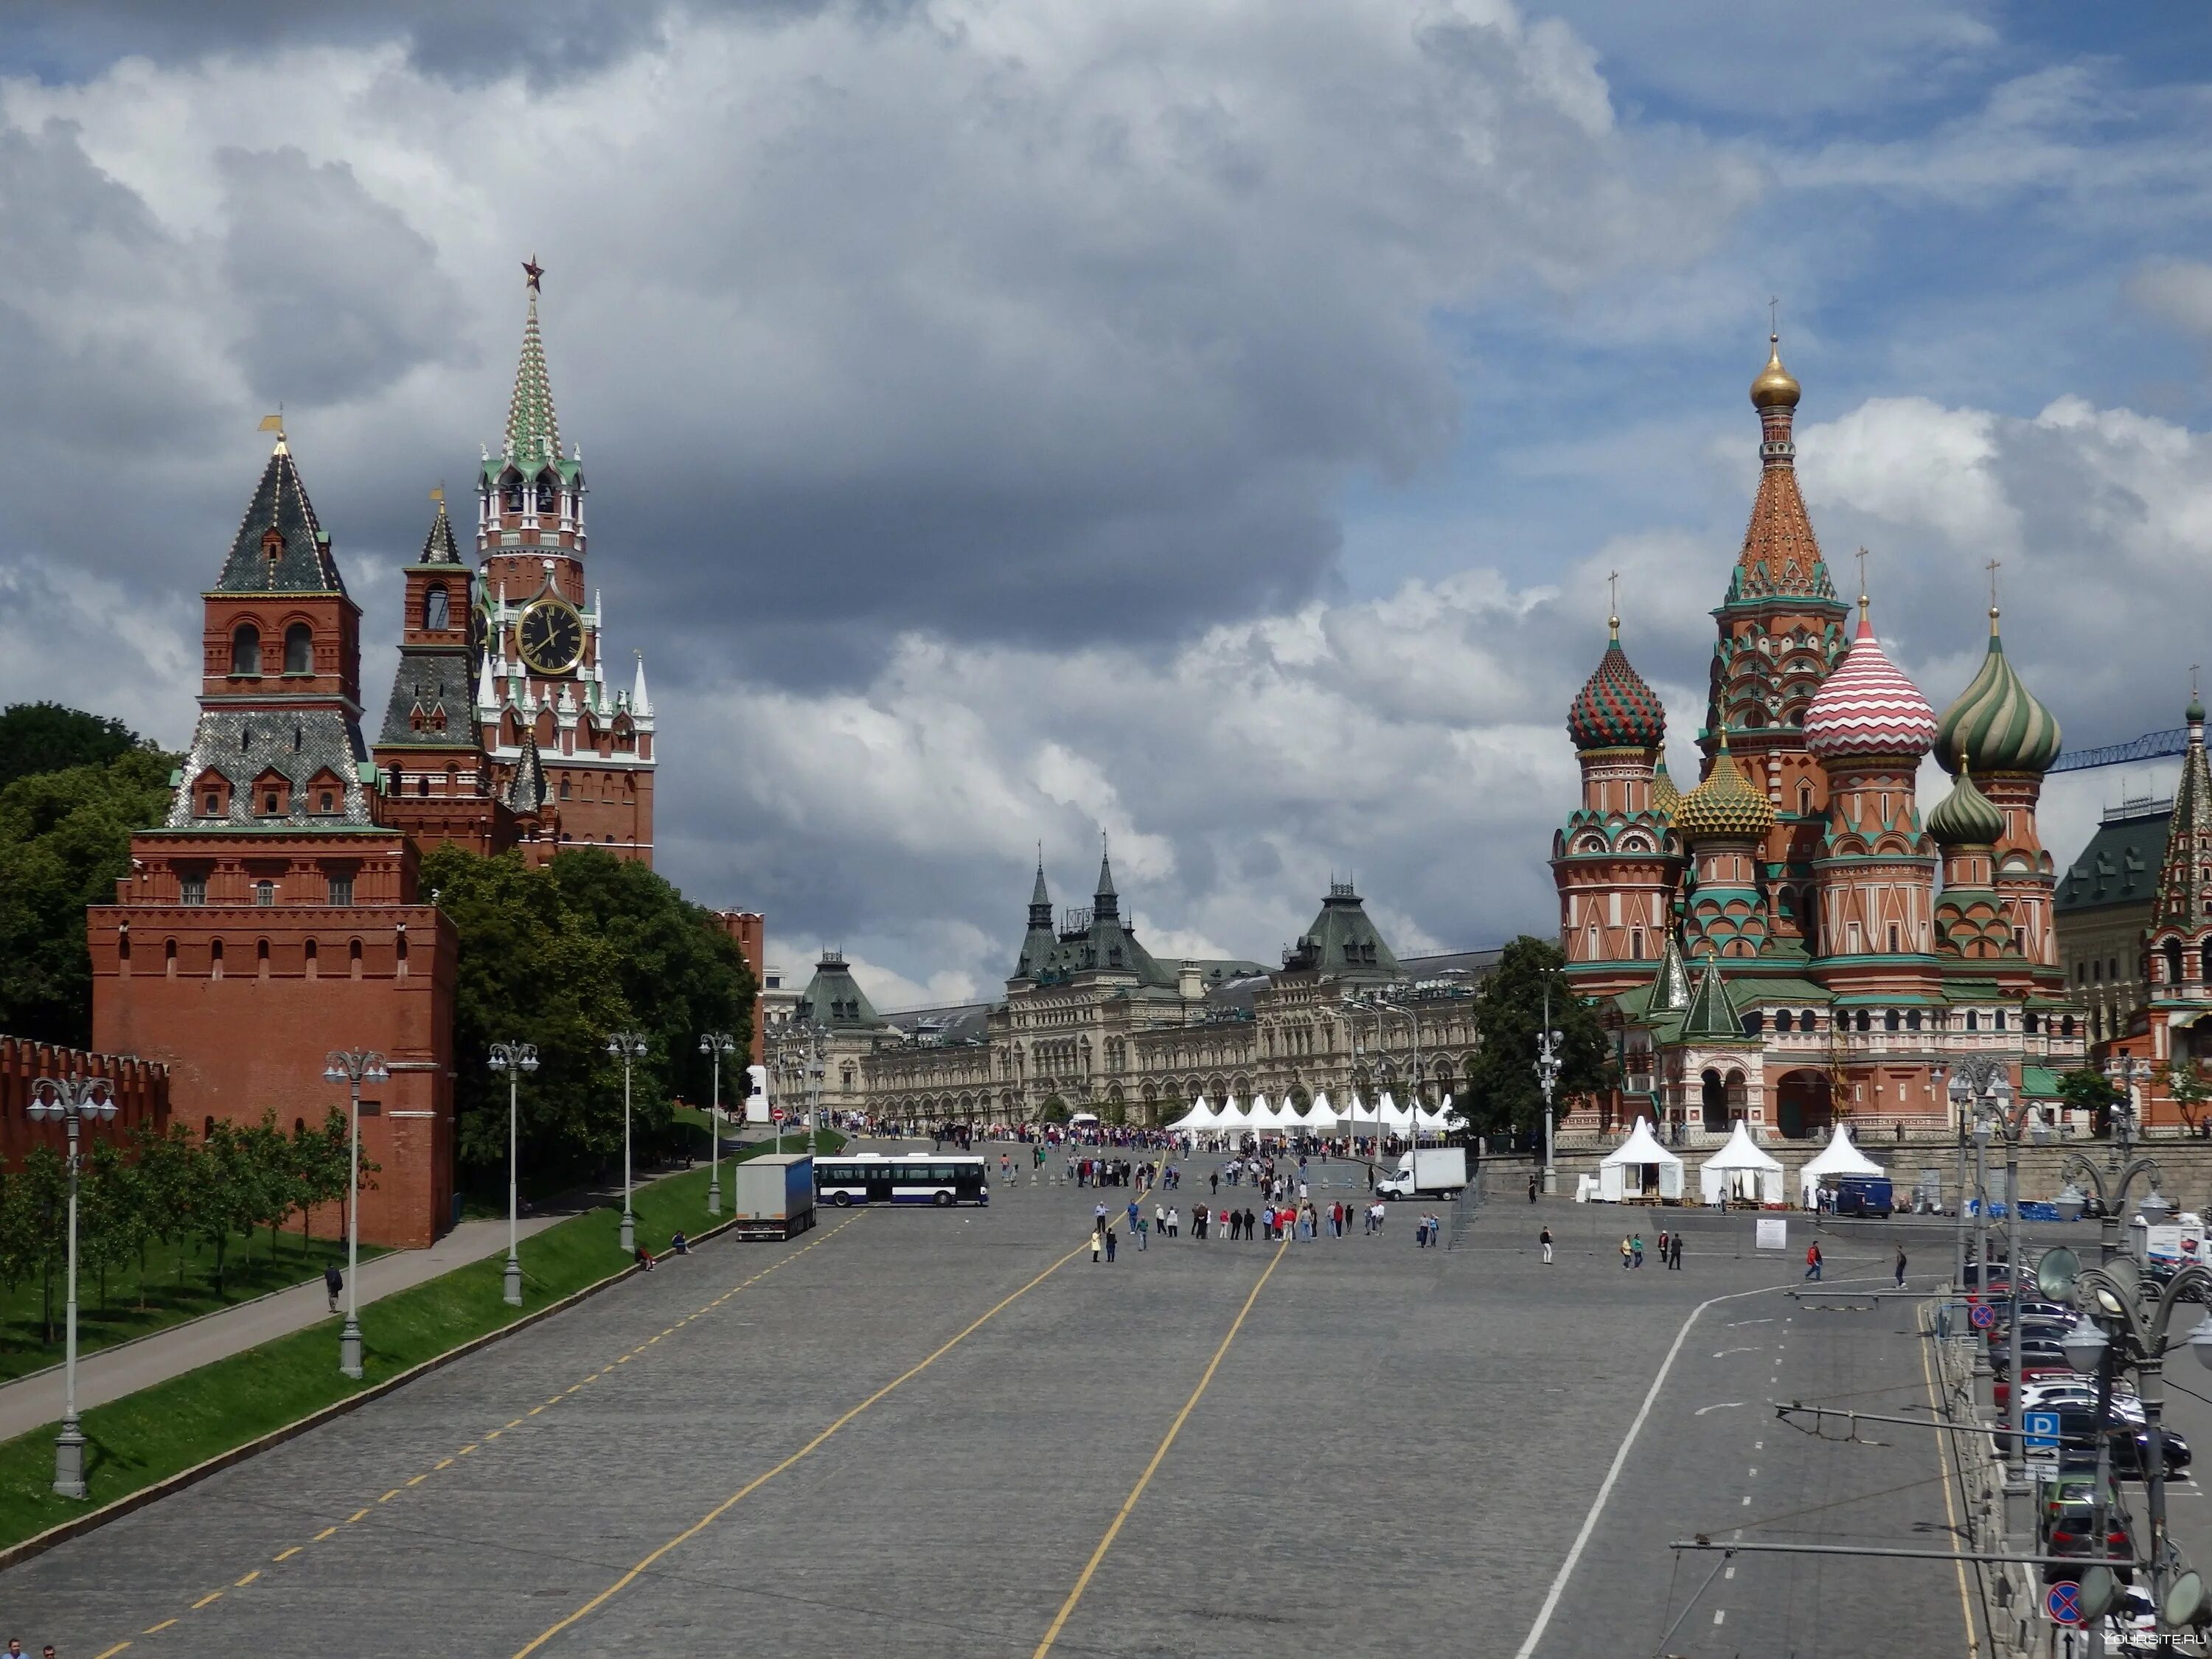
{"x":775,"y":1113}
{"x":2062,"y":1602}
{"x":1983,"y":1316}
{"x":2038,"y":1433}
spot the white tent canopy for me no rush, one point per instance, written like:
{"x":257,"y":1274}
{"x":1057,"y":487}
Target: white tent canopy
{"x":1740,"y":1170}
{"x":1198,"y":1119}
{"x":1320,"y":1116}
{"x":1264,"y":1114}
{"x":1639,"y":1168}
{"x":1838,"y":1158}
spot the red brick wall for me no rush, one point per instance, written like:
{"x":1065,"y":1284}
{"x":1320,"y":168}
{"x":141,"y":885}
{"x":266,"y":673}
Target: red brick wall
{"x":749,"y":928}
{"x":141,"y":1095}
{"x":254,"y":1037}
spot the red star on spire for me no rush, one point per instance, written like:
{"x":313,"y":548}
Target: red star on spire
{"x":531,"y":271}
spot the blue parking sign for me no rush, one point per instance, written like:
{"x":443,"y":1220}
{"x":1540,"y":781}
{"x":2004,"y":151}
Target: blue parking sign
{"x":2040,"y":1433}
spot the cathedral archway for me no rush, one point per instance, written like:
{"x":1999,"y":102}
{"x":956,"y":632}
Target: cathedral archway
{"x":1802,"y":1104}
{"x":1713,"y":1099}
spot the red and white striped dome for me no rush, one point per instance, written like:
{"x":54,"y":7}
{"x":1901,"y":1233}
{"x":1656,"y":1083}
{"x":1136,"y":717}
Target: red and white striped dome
{"x":1867,"y":708}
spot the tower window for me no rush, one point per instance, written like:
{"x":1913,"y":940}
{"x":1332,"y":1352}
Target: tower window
{"x":330,"y":801}
{"x":264,"y":893}
{"x":437,"y":608}
{"x":1892,"y":938}
{"x":191,"y":890}
{"x":341,"y":890}
{"x":564,"y":789}
{"x":1636,"y":945}
{"x":214,"y":804}
{"x":1973,"y":1020}
{"x":299,"y":649}
{"x":246,"y":649}
{"x":2001,"y":1019}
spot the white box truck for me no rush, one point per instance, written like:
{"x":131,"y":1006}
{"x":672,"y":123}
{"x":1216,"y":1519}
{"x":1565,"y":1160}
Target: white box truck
{"x":1428,"y":1170}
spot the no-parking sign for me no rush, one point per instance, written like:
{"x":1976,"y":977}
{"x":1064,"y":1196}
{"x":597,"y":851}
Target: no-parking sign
{"x":2062,"y":1602}
{"x":1982,"y":1315}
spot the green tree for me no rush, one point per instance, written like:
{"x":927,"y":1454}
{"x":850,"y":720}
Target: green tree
{"x":319,"y":1154}
{"x":112,"y":1222}
{"x":170,"y":1174}
{"x":37,"y":1229}
{"x":2188,"y":1088}
{"x":275,"y":1184}
{"x":48,"y":737}
{"x":64,"y":839}
{"x":1501,"y":1090}
{"x":228,"y":1194}
{"x":531,"y":970}
{"x":2086,"y":1090}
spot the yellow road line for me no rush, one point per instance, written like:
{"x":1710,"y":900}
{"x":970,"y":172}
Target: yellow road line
{"x":205,"y":1599}
{"x":805,"y":1451}
{"x":417,"y":1479}
{"x":155,"y":1630}
{"x":442,"y":1464}
{"x":389,"y":1495}
{"x":327,"y":1532}
{"x":248,"y":1579}
{"x":1950,"y":1514}
{"x":1129,"y":1504}
{"x":516,"y":1424}
{"x":355,"y":1517}
{"x":111,"y":1652}
{"x":286,"y":1555}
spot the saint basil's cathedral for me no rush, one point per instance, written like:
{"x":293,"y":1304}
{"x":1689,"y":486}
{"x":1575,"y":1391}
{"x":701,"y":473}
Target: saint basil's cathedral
{"x":276,"y":912}
{"x":1787,"y":944}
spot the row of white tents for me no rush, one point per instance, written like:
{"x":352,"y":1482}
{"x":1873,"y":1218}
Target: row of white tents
{"x":1641,"y":1168}
{"x":1319,"y":1119}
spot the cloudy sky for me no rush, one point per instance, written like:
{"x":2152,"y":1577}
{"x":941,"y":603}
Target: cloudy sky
{"x":1207,"y":422}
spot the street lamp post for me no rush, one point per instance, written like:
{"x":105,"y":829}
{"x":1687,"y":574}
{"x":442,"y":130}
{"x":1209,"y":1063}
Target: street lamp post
{"x":2116,"y":1293}
{"x":1548,"y":1076}
{"x":1983,"y":1083}
{"x":514,"y":1059}
{"x":71,"y":1100}
{"x":715,"y":1043}
{"x":353,"y":1067}
{"x":630,"y":1045}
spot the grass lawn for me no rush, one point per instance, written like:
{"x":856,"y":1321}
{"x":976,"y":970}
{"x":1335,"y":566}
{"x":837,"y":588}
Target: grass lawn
{"x":154,"y":1433}
{"x":247,"y":1272}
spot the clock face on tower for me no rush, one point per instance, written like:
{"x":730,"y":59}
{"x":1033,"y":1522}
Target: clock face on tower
{"x":551,"y":637}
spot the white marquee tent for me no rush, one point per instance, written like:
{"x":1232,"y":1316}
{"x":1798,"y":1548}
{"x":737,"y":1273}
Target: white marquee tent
{"x":1320,"y":1116}
{"x":1232,"y":1116}
{"x":1838,"y":1157}
{"x":1639,"y":1168}
{"x":1740,"y":1171}
{"x":1198,"y":1120}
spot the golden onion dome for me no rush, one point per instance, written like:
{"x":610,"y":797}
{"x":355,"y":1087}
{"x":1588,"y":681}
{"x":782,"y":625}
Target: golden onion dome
{"x":1775,"y":386}
{"x":1666,"y":799}
{"x":1726,"y":803}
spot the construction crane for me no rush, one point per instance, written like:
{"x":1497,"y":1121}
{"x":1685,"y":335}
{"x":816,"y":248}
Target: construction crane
{"x":2149,"y":746}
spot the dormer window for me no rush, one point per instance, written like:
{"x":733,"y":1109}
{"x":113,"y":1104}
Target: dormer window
{"x":272,"y":544}
{"x":299,"y":649}
{"x":246,"y":649}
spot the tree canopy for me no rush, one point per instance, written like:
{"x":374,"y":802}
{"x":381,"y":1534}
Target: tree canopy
{"x":560,"y":957}
{"x":48,"y":737}
{"x":1502,"y":1087}
{"x":64,"y":839}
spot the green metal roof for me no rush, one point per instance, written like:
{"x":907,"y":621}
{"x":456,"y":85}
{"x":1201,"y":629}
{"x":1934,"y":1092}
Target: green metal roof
{"x":2119,"y":866}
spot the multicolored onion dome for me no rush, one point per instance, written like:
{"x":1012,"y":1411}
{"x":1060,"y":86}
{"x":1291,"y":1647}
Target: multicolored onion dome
{"x":1616,"y":709}
{"x":1996,"y":721}
{"x":1726,"y":803}
{"x":1966,"y":816}
{"x":1666,"y":799}
{"x":1775,"y":386}
{"x":1867,"y":706}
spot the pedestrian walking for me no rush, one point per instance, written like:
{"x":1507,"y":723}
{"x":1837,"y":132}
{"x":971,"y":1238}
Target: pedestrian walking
{"x":1142,"y":1231}
{"x":1110,"y":1237}
{"x":1098,"y":1241}
{"x":1674,"y":1251}
{"x":1545,"y":1239}
{"x":1532,"y":1189}
{"x":1625,"y":1262}
{"x":1215,"y":1181}
{"x":1812,"y":1261}
{"x":1636,"y":1247}
{"x":1900,"y":1266}
{"x":1662,"y":1246}
{"x":334,"y":1282}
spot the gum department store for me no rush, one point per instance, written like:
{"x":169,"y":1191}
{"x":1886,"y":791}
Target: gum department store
{"x":1787,"y":943}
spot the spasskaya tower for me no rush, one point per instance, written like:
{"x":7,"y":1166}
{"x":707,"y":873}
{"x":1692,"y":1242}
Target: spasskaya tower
{"x":543,"y":681}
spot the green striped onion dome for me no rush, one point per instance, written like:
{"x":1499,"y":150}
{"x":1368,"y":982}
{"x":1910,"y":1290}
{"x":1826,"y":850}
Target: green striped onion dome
{"x":1996,"y":721}
{"x":1965,"y":816}
{"x":1726,"y":803}
{"x":1616,"y":709}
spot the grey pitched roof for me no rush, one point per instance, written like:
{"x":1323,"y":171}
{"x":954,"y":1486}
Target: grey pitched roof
{"x":301,"y":560}
{"x":526,"y":790}
{"x":2121,"y":863}
{"x":432,"y":680}
{"x":1472,"y":965}
{"x":834,"y":999}
{"x":967,"y":1022}
{"x":242,"y":745}
{"x":439,"y":547}
{"x":1342,"y":943}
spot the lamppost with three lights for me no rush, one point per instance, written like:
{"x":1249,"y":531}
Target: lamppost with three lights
{"x":1982,"y":1084}
{"x":353,"y":1066}
{"x":71,"y":1100}
{"x":1549,"y":1065}
{"x":630,"y":1045}
{"x":514,"y":1059}
{"x":716,"y":1043}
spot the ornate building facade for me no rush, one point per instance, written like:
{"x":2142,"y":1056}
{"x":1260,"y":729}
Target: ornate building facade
{"x":1092,"y":1022}
{"x":1788,"y":943}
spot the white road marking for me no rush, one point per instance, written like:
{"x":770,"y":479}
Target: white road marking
{"x":1613,"y":1474}
{"x":1725,"y":1352}
{"x":1734,"y":1324}
{"x":1720,"y":1615}
{"x":1759,"y":1446}
{"x":1754,"y":1473}
{"x":1720,"y":1406}
{"x":1730,"y":1573}
{"x":1746,"y":1501}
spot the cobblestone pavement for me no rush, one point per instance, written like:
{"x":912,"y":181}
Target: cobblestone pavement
{"x":911,"y":1432}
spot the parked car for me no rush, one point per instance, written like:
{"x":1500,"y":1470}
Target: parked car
{"x":2033,"y":1356}
{"x":2055,"y":1394}
{"x":2044,"y":1374}
{"x":2070,"y":1529}
{"x":2130,"y":1442}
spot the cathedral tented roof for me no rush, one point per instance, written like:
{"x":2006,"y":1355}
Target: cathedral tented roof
{"x":280,"y":548}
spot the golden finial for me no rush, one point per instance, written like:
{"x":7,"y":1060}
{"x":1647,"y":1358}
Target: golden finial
{"x":1775,"y":386}
{"x":1862,"y":585}
{"x":1612,"y":583}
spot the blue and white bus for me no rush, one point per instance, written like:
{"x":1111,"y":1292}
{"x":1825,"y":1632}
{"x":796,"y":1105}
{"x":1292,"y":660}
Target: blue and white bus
{"x":938,"y":1178}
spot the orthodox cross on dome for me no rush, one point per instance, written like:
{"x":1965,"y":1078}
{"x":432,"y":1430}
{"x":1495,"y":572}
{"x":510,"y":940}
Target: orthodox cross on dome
{"x":1862,"y":587}
{"x":1612,"y":586}
{"x":534,"y":274}
{"x":1773,"y":317}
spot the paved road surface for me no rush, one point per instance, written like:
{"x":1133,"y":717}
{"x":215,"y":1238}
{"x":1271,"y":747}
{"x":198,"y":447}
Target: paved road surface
{"x":916,"y":1433}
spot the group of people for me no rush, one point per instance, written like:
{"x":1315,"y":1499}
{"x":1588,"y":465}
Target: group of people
{"x":1631,"y":1248}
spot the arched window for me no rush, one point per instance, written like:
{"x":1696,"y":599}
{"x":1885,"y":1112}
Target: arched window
{"x":1889,"y":1020}
{"x":1636,"y":945}
{"x":246,"y":649}
{"x":1973,"y":1020}
{"x":1804,"y":801}
{"x":437,"y":608}
{"x":299,"y":649}
{"x":2172,"y":962}
{"x":2205,"y":961}
{"x":2066,"y":1026}
{"x":511,"y":492}
{"x":546,"y":496}
{"x":1784,"y":1021}
{"x":1913,"y":1020}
